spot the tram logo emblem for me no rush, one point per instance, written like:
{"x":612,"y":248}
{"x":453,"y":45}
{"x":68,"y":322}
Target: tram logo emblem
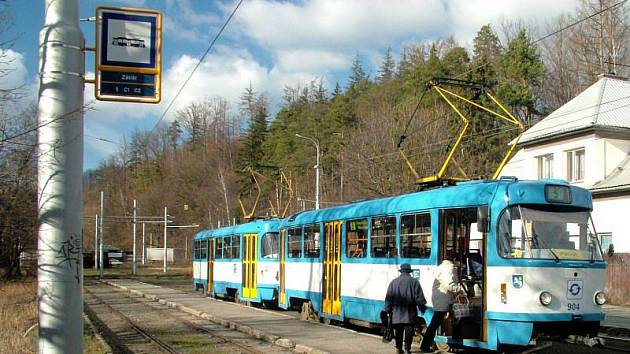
{"x":574,"y":289}
{"x":517,"y":281}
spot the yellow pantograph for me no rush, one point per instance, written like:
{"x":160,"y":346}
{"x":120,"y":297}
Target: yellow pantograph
{"x":448,"y":96}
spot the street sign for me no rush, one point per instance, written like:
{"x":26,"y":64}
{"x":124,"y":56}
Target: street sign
{"x":128,"y":54}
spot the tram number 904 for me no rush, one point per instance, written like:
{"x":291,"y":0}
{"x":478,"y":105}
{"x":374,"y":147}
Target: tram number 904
{"x":572,"y":306}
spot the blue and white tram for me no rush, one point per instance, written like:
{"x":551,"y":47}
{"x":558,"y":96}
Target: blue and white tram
{"x":239,"y":261}
{"x":528,"y":257}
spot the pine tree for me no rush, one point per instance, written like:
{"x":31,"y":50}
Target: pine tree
{"x":522,"y":71}
{"x":358,"y":78}
{"x":174,"y":132}
{"x":386,"y":71}
{"x":487,"y":52}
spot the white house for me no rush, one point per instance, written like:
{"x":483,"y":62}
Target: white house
{"x":587,"y":142}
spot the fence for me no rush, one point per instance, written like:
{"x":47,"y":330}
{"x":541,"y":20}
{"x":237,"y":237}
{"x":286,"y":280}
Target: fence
{"x":618,"y":279}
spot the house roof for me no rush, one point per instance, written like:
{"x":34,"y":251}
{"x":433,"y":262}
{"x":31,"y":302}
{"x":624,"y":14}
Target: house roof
{"x":617,"y":180}
{"x":605,"y":104}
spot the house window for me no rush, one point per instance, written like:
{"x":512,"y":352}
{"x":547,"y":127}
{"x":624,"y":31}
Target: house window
{"x":545,"y":166}
{"x":575,"y":165}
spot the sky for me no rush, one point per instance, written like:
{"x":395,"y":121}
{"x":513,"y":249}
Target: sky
{"x":269,"y":44}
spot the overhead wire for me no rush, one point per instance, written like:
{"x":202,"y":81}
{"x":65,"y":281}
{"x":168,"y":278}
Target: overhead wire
{"x":181,"y":88}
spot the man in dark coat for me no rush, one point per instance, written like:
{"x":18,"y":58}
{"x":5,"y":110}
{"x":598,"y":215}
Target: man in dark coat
{"x":404,"y":297}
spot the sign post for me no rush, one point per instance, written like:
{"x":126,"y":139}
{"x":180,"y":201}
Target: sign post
{"x":128,"y":54}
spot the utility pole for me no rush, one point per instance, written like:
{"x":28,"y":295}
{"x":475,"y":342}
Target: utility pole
{"x":316,"y":143}
{"x":144,"y":248}
{"x":60,"y":179}
{"x":165,"y":232}
{"x":133,"y":267}
{"x":100,"y":244}
{"x":96,"y":241}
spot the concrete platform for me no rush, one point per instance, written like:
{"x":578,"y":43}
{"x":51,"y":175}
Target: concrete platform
{"x":303,"y":336}
{"x":282,"y":329}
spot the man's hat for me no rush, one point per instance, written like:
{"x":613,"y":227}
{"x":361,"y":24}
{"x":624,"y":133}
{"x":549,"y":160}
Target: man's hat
{"x":405,"y":268}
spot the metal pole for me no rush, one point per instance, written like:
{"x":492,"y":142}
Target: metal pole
{"x":317,"y":177}
{"x":133,"y":261}
{"x":144,"y":258}
{"x":96,"y":241}
{"x":316,"y":143}
{"x":100,"y":243}
{"x":165,"y":228}
{"x":60,"y":179}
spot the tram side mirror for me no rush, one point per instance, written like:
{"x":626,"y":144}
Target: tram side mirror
{"x":611,"y":250}
{"x":482,"y":219}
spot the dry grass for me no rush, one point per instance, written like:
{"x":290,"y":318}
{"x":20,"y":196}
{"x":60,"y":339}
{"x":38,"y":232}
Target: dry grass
{"x":18,"y":312}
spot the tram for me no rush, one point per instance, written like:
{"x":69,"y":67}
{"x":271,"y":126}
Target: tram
{"x":239,"y":262}
{"x":527,"y":252}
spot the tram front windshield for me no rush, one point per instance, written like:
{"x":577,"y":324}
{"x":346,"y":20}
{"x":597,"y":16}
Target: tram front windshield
{"x":541,"y":234}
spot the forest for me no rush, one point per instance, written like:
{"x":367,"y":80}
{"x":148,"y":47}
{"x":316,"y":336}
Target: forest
{"x":217,"y":154}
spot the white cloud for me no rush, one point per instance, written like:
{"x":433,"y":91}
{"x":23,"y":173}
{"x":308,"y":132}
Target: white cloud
{"x":12,"y":69}
{"x":352,"y":25}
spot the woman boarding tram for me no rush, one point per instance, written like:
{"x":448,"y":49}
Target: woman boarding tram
{"x":528,"y":258}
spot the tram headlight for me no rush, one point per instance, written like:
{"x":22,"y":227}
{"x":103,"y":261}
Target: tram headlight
{"x":600,"y":298}
{"x":545,"y":298}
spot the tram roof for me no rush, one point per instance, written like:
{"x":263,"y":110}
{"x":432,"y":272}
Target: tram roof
{"x":252,"y":226}
{"x":463,"y":194}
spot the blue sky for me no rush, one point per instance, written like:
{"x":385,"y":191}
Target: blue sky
{"x":270,"y":44}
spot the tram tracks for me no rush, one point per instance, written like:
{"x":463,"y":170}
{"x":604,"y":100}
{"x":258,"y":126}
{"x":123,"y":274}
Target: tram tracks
{"x":229,"y":342}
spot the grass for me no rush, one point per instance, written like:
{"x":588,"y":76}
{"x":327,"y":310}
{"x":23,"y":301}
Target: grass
{"x":18,"y":313}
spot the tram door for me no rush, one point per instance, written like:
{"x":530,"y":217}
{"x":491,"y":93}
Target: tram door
{"x":250,"y":249}
{"x":462,"y":237}
{"x":210,"y":288}
{"x":283,"y":292}
{"x":331,"y":284}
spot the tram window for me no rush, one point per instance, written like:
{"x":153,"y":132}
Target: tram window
{"x":545,"y":234}
{"x":294,"y":239}
{"x":415,"y":235}
{"x":356,"y":238}
{"x":311,"y":241}
{"x":227,"y":247}
{"x":218,"y":249}
{"x":236,"y":246}
{"x":203,"y":249}
{"x":269,"y":245}
{"x":196,"y":250}
{"x":384,"y":237}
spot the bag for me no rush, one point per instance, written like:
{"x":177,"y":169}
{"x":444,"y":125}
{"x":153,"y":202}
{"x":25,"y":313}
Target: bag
{"x":388,"y":330}
{"x":461,"y":308}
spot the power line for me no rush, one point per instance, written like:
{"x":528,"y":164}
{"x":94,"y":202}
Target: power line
{"x":550,"y":34}
{"x":579,"y":21}
{"x":181,"y":88}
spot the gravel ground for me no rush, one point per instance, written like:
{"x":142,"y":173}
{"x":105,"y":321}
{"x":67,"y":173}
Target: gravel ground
{"x":185,"y":333}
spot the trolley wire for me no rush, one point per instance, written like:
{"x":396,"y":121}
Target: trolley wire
{"x":181,"y":88}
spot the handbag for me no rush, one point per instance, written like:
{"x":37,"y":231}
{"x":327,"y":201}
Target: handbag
{"x":461,"y":307}
{"x":388,"y":331}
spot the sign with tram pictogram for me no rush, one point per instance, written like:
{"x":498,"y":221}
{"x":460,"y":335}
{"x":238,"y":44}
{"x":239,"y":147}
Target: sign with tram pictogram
{"x":128,"y":54}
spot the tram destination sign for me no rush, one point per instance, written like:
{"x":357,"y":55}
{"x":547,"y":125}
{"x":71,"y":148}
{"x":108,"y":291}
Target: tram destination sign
{"x":128,"y":54}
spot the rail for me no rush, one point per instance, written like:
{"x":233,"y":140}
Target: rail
{"x":189,"y":324}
